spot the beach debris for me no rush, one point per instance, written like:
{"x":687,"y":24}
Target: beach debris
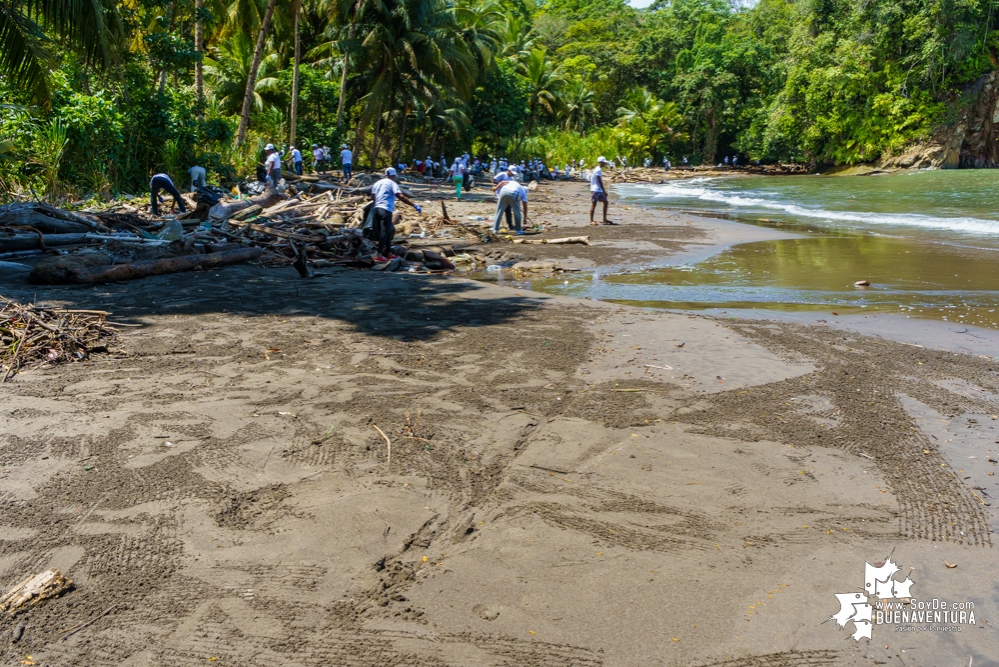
{"x":582,"y":240}
{"x":34,"y":589}
{"x":17,"y":633}
{"x":862,"y":283}
{"x":950,"y":565}
{"x":311,"y":223}
{"x":535,"y":267}
{"x":32,"y":336}
{"x":388,"y":444}
{"x":69,"y":632}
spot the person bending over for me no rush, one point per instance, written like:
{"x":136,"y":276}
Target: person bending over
{"x":384,"y":193}
{"x":164,"y":182}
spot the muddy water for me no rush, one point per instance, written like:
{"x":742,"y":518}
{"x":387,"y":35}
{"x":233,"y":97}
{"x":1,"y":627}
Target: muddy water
{"x":928,"y":242}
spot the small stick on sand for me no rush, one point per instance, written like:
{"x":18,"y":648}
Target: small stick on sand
{"x":388,"y":443}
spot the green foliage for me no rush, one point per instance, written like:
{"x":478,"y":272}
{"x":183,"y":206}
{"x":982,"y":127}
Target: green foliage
{"x":500,"y":106}
{"x":819,"y":82}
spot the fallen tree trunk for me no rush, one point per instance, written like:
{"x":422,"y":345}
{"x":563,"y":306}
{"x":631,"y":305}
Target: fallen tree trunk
{"x":30,"y":218}
{"x":160,"y":266}
{"x":10,"y":241}
{"x":224,"y":211}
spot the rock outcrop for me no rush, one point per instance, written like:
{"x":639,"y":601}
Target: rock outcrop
{"x":970,"y":142}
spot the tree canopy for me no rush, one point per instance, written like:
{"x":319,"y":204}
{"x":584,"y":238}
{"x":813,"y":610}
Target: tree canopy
{"x":100,"y":93}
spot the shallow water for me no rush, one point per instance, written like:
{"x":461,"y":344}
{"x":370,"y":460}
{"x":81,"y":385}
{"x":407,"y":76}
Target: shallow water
{"x":927,"y":241}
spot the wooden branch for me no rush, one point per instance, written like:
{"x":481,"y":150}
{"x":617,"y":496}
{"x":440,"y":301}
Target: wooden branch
{"x":160,"y":266}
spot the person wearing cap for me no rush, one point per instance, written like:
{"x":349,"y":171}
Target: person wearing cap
{"x":510,"y":195}
{"x":457,"y":177}
{"x":598,"y":193}
{"x":163,"y":181}
{"x":346,"y":162}
{"x":296,"y":159}
{"x":272,"y":163}
{"x":318,"y":159}
{"x":384,"y":193}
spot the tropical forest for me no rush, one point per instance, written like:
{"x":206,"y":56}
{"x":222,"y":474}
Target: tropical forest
{"x":98,"y":95}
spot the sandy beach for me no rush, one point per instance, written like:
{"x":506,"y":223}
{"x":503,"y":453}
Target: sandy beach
{"x":399,"y":469}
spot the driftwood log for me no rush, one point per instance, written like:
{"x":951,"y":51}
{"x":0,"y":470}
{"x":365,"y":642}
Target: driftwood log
{"x":11,"y":240}
{"x":581,"y":240}
{"x":224,"y":211}
{"x":157,"y":267}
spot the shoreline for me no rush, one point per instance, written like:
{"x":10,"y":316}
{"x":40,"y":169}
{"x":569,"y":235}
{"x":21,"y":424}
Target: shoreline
{"x":571,"y":482}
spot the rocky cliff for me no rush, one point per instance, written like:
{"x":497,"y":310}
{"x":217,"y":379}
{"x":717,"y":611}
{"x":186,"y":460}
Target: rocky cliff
{"x":971,"y":142}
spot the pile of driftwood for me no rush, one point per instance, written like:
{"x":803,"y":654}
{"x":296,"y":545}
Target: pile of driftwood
{"x":34,"y":589}
{"x":32,"y":337}
{"x":312,"y":223}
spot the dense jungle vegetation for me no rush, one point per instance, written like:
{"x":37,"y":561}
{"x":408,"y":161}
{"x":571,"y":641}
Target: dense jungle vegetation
{"x":98,"y":94}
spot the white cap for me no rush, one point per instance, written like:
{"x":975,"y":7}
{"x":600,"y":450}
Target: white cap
{"x":601,"y":159}
{"x":269,"y":147}
{"x":390,"y":171}
{"x":343,"y":145}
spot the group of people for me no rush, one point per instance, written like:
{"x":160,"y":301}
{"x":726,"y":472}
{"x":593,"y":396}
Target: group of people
{"x":321,"y":161}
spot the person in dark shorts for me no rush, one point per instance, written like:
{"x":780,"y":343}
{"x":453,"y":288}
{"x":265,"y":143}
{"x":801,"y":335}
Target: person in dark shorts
{"x":163,"y":182}
{"x":598,"y":193}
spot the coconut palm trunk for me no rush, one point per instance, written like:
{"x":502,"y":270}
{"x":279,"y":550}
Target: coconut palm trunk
{"x":251,"y":80}
{"x":199,"y":48}
{"x":294,"y":77}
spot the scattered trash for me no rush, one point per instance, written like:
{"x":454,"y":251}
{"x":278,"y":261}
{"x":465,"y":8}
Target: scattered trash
{"x":35,"y":589}
{"x":950,"y":565}
{"x":862,"y":283}
{"x":494,"y":268}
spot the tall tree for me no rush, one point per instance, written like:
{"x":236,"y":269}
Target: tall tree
{"x":244,"y":118}
{"x":199,"y":47}
{"x":297,"y":9}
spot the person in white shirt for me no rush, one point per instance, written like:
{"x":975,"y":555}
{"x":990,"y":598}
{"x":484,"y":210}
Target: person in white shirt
{"x":318,"y":159}
{"x":346,"y":162}
{"x":198,"y":175}
{"x":296,"y":160}
{"x":273,"y":165}
{"x":510,"y":195}
{"x":457,"y":177}
{"x":384,"y":193}
{"x":500,"y":178}
{"x":598,"y":193}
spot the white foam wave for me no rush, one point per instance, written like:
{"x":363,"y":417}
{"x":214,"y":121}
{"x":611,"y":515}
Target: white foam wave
{"x":692,"y":190}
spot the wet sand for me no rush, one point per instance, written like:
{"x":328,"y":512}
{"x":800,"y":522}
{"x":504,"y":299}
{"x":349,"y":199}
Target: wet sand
{"x":570,"y":483}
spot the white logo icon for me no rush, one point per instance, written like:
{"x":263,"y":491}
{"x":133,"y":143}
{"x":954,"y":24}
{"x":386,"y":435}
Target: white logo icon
{"x":878,"y":583}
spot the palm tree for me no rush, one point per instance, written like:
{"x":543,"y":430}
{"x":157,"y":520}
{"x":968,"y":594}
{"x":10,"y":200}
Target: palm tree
{"x":244,"y":118}
{"x":297,"y":9}
{"x":85,"y":26}
{"x":544,"y":80}
{"x":410,"y":51}
{"x":229,"y":70}
{"x":577,"y":104}
{"x":651,"y":124}
{"x":516,"y":37}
